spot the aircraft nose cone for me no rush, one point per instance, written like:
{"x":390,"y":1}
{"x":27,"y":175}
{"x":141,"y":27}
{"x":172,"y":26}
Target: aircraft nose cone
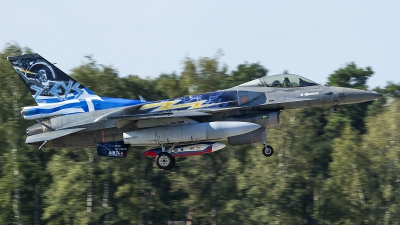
{"x":350,"y":95}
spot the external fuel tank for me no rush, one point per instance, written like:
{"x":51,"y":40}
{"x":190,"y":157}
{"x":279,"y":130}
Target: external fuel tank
{"x":187,"y":133}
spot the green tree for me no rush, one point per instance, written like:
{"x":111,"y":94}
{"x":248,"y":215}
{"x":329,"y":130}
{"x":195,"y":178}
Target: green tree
{"x":168,"y":86}
{"x":343,"y":198}
{"x":23,"y":170}
{"x":351,"y":76}
{"x":244,"y":73}
{"x":381,"y":145}
{"x":203,"y":75}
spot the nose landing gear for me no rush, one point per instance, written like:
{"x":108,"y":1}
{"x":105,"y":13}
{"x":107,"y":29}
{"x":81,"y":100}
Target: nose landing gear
{"x":267,"y":150}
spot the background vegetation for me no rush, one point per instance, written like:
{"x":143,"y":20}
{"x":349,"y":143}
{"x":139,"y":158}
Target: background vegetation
{"x":328,"y":168}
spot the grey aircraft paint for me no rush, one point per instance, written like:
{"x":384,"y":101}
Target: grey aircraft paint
{"x":108,"y":123}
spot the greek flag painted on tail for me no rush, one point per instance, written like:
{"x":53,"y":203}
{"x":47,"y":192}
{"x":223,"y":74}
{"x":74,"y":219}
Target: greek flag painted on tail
{"x":55,"y":92}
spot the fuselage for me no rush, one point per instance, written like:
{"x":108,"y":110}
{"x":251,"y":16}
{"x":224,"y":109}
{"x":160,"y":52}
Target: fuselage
{"x":235,"y":104}
{"x":185,"y":126}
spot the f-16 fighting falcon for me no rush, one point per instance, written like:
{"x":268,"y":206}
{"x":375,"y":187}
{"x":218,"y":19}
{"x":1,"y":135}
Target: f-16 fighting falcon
{"x":69,"y":115}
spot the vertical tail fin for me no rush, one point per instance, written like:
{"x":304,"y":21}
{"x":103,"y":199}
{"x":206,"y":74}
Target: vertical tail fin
{"x":46,"y":82}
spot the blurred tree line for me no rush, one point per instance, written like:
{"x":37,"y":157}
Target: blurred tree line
{"x":329,"y":168}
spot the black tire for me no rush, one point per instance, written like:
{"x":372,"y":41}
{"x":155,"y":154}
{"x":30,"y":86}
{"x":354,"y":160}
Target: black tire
{"x":267,"y":151}
{"x":165,"y":161}
{"x":172,"y":165}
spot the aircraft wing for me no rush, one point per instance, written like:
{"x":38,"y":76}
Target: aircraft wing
{"x":184,"y":113}
{"x":134,"y":113}
{"x":47,"y":136}
{"x":124,"y":120}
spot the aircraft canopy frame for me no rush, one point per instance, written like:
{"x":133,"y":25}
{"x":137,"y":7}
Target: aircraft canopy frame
{"x":281,"y":80}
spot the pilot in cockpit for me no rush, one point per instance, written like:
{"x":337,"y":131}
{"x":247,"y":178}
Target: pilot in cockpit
{"x":276,"y":83}
{"x":286,"y":82}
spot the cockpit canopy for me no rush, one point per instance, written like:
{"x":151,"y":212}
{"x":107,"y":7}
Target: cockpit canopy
{"x":281,"y":80}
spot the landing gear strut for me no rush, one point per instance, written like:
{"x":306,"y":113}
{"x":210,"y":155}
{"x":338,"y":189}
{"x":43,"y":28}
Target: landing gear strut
{"x":165,"y":161}
{"x":335,"y":107}
{"x":267,"y":150}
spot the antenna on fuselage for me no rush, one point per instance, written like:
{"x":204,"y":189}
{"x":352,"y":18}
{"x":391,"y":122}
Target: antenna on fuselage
{"x":142,"y":99}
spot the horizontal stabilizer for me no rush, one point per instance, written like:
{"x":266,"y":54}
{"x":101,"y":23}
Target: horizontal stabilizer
{"x":47,"y":136}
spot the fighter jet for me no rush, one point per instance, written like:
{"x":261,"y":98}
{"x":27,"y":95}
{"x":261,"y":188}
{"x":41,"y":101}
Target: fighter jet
{"x":69,"y":115}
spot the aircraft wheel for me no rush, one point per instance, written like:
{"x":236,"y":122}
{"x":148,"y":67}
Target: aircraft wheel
{"x":165,"y":161}
{"x":267,"y":151}
{"x":172,"y":164}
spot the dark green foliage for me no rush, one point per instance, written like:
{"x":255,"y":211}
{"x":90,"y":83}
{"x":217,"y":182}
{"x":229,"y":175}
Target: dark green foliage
{"x":351,"y":76}
{"x":391,"y":89}
{"x":328,"y":168}
{"x":245,"y":72}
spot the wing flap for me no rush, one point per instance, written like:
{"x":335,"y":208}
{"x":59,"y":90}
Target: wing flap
{"x":47,"y":136}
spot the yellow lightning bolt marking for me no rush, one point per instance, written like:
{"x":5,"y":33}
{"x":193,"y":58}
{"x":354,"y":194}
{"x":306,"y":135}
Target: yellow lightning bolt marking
{"x":196,"y":105}
{"x":171,"y":105}
{"x":24,"y":71}
{"x":159,"y":104}
{"x":167,"y":105}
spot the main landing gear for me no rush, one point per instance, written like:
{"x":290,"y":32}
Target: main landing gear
{"x":165,"y":161}
{"x":267,"y":150}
